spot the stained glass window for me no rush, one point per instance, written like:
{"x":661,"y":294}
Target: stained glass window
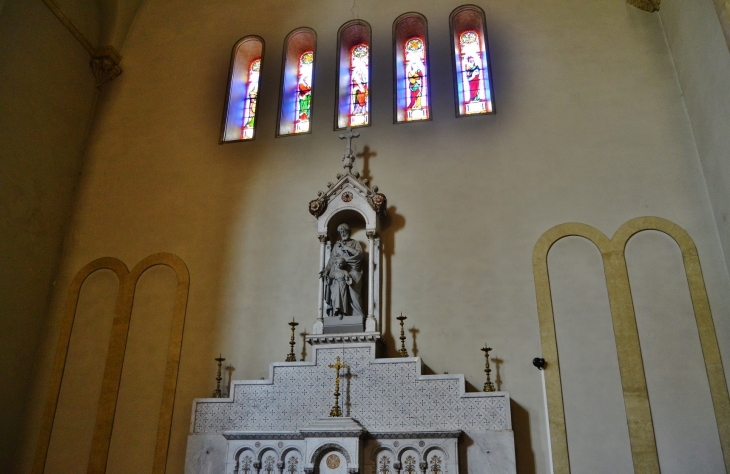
{"x":415,"y":79}
{"x":473,"y":82}
{"x":359,"y":85}
{"x":304,"y":92}
{"x":249,"y":104}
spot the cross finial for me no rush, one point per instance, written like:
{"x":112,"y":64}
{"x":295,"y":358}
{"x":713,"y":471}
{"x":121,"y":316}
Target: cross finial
{"x":349,"y":158}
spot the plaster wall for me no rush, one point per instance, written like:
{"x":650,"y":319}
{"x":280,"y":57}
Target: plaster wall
{"x":46,"y":99}
{"x":590,"y":127}
{"x":702,"y":62}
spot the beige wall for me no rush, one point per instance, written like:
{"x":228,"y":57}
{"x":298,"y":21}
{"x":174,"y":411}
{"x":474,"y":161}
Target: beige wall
{"x":46,"y":97}
{"x":590,"y":127}
{"x":702,"y":61}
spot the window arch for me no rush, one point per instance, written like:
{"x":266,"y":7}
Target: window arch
{"x":353,"y":75}
{"x":243,"y":90}
{"x":472,"y":69}
{"x":297,"y":82}
{"x":410,"y":54}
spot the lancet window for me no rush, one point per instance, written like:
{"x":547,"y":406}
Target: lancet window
{"x":353,"y":105}
{"x":474,"y":94}
{"x":295,"y":110}
{"x":410,"y":45}
{"x":243,"y":90}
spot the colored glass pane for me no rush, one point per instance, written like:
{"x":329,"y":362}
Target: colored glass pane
{"x":359,"y":85}
{"x":304,"y":92}
{"x":249,"y":106}
{"x":415,"y":77}
{"x":473,"y":61}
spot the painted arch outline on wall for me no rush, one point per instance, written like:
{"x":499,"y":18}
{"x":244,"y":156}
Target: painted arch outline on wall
{"x":628,"y":348}
{"x":115,"y":359}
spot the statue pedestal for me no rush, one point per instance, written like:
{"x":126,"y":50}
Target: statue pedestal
{"x":348,"y":324}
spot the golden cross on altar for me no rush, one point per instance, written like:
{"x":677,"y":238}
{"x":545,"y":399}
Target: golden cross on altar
{"x":338,"y":365}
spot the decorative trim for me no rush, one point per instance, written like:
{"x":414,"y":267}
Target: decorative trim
{"x":646,"y":5}
{"x":321,"y":450}
{"x":239,"y":436}
{"x":332,"y":434}
{"x":320,"y":339}
{"x":115,"y":360}
{"x":631,"y":367}
{"x":415,"y":434}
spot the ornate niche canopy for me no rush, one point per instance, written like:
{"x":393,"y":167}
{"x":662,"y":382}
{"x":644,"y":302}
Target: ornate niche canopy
{"x":349,"y":278}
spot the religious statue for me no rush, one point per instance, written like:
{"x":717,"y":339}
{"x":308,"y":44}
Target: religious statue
{"x":343,"y":276}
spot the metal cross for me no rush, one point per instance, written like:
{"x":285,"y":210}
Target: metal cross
{"x":336,"y":411}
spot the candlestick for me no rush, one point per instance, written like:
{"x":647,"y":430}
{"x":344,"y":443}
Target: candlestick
{"x":336,"y":411}
{"x":488,"y":385}
{"x":217,"y":392}
{"x":291,"y":357}
{"x":402,"y":352}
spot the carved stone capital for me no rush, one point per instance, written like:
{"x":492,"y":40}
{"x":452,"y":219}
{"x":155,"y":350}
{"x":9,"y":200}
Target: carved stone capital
{"x":370,"y":234}
{"x":646,"y":5}
{"x":105,"y":64}
{"x":322,"y":238}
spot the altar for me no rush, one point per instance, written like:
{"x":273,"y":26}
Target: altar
{"x":350,"y":410}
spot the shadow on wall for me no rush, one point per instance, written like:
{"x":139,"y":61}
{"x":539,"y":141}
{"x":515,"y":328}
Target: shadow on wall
{"x":392,"y":224}
{"x":524,"y":455}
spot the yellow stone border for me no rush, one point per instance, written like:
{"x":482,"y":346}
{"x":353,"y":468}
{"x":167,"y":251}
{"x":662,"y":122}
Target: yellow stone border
{"x":115,"y":359}
{"x":631,"y":366}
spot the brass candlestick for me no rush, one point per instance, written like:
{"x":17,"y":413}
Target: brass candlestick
{"x":291,"y":357}
{"x":335,"y":412}
{"x":488,"y":385}
{"x":218,"y":378}
{"x":402,"y":352}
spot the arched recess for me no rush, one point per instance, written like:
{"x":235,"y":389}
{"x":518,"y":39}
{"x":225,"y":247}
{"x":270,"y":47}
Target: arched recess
{"x":115,"y":360}
{"x":239,"y":119}
{"x":297,"y":82}
{"x":633,"y":381}
{"x":319,"y":453}
{"x":354,"y":39}
{"x":474,"y":94}
{"x":412,"y":68}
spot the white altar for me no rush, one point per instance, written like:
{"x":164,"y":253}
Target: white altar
{"x":395,"y":420}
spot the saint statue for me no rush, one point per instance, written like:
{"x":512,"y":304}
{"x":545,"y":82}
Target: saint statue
{"x":343,"y":276}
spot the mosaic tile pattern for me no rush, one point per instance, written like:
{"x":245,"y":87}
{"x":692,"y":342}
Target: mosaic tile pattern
{"x":383,"y":396}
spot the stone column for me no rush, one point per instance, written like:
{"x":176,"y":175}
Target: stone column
{"x":371,"y":325}
{"x":257,"y":466}
{"x":280,"y":467}
{"x":318,"y":327}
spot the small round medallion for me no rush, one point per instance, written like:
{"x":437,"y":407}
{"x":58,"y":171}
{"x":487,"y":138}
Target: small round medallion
{"x":347,"y":196}
{"x":396,"y":443}
{"x":333,"y":461}
{"x":422,"y":443}
{"x":281,"y":445}
{"x":258,"y":445}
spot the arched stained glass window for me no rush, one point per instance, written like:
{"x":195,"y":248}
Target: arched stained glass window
{"x":474,"y":95}
{"x":252,"y":93}
{"x":353,"y":75}
{"x":304,"y":92}
{"x":410,"y":53}
{"x":475,"y":98}
{"x":416,"y":79}
{"x":297,"y":82}
{"x":359,"y":85}
{"x":243,"y":90}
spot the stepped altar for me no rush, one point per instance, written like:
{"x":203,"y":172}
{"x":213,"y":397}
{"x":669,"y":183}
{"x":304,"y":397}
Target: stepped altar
{"x":349,"y":410}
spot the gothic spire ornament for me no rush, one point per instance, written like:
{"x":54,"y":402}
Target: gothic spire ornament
{"x":349,"y":158}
